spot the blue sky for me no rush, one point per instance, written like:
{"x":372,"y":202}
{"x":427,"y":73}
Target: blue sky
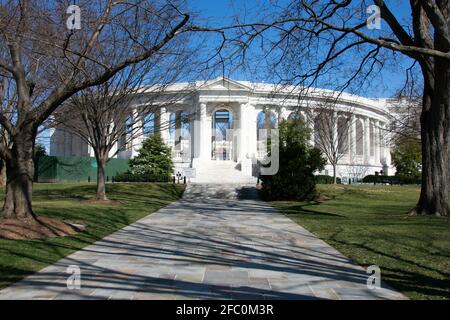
{"x":220,"y":12}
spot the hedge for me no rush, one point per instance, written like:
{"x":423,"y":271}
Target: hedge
{"x":325,"y":179}
{"x":391,"y":179}
{"x":130,"y":177}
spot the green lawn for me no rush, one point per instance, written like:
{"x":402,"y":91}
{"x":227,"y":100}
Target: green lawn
{"x":19,"y":258}
{"x":369,"y":224}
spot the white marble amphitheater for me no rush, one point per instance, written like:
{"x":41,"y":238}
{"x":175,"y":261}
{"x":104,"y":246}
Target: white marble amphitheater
{"x":214,"y":128}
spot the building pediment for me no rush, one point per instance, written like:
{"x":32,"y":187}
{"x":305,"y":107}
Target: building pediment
{"x":225,"y":84}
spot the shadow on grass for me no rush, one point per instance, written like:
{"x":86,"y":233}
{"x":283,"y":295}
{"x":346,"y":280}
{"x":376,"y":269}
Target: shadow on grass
{"x":411,"y":251}
{"x":407,"y":281}
{"x":302,"y":209}
{"x":403,"y":279}
{"x":116,"y":191}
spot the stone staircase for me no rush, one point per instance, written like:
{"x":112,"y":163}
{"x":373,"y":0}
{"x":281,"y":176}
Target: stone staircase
{"x":221,"y":172}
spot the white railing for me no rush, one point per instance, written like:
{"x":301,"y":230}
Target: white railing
{"x":222,"y":150}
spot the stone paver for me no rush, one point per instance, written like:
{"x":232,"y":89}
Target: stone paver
{"x":218,"y":242}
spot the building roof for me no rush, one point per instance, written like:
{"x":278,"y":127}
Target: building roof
{"x":269,"y":89}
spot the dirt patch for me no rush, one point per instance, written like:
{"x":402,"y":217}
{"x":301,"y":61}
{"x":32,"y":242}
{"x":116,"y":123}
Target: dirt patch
{"x":321,"y":197}
{"x":39,"y":228}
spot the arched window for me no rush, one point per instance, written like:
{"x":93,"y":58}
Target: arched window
{"x":222,"y":144}
{"x":223,"y":122}
{"x":298,"y":117}
{"x":265,"y":119}
{"x":149,"y":124}
{"x":359,"y":138}
{"x":342,"y":129}
{"x":185,"y":125}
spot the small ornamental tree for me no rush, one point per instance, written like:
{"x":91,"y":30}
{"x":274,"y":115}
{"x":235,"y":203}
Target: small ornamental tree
{"x":407,"y":157}
{"x":297,"y":163}
{"x":154,"y":158}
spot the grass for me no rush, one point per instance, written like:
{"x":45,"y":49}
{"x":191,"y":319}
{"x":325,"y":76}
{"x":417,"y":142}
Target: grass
{"x":369,"y":224}
{"x":19,"y":258}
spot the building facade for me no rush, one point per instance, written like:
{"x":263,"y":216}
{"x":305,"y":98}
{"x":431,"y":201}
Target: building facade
{"x":219,"y":128}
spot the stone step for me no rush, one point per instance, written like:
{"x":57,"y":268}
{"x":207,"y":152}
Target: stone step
{"x":221,"y":172}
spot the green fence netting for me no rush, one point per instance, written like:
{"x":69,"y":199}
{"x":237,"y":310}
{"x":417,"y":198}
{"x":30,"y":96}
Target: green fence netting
{"x":76,"y":169}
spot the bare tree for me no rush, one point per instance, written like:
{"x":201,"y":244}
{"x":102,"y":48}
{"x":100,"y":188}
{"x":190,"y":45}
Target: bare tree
{"x":354,"y":171}
{"x":406,"y":118}
{"x":111,"y":117}
{"x":309,"y":41}
{"x":49,"y":63}
{"x":101,"y":116}
{"x":331,"y":135}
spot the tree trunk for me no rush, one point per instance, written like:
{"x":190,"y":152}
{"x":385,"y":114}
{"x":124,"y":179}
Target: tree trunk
{"x":334,"y":174}
{"x":19,"y":181}
{"x":435,"y":122}
{"x":2,"y":173}
{"x":101,"y":181}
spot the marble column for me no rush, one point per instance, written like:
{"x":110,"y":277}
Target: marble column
{"x":164,"y":124}
{"x":376,"y":128}
{"x":192,"y":132}
{"x":177,"y":135}
{"x":367,"y":140}
{"x":335,"y":139}
{"x":197,"y":132}
{"x":91,"y":150}
{"x":252,"y":131}
{"x":384,"y":138}
{"x":136,"y":133}
{"x":205,"y":134}
{"x":309,"y":119}
{"x":202,"y":138}
{"x":243,"y":139}
{"x":352,"y":137}
{"x":382,"y":141}
{"x":241,"y":132}
{"x":388,"y":148}
{"x":113,"y":152}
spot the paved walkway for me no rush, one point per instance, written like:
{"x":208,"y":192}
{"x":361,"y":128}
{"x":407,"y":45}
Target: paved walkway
{"x":215,"y":243}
